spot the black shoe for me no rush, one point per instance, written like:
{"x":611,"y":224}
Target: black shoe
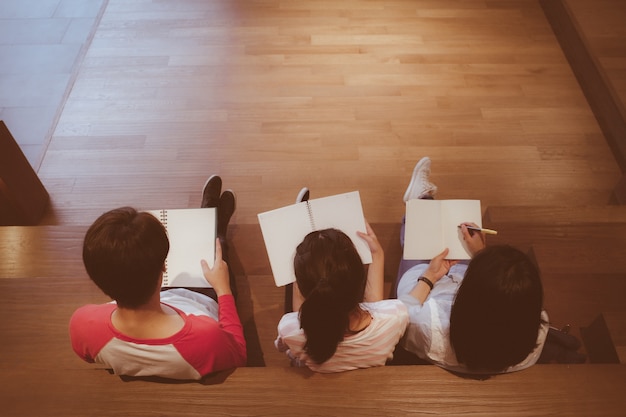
{"x":211,"y":192}
{"x":225,"y":209}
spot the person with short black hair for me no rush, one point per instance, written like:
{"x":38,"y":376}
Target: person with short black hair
{"x":178,"y":333}
{"x":484,"y":316}
{"x":338,"y":320}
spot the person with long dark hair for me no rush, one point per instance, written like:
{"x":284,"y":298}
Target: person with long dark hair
{"x":339,"y":320}
{"x":484,"y":316}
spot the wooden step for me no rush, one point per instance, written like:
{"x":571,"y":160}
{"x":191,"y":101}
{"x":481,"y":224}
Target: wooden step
{"x":41,"y":251}
{"x":36,"y":348}
{"x":555,"y":215}
{"x":593,"y":256}
{"x":582,"y":276}
{"x":56,"y":251}
{"x":588,"y":239}
{"x":546,"y":390}
{"x":43,"y":377}
{"x":579,"y":251}
{"x":577,"y":299}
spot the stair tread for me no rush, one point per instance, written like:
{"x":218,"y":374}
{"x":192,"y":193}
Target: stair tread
{"x":556,"y":214}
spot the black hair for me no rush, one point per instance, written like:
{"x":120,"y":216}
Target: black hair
{"x":331,"y":278}
{"x":496,"y":313}
{"x":124,"y":254}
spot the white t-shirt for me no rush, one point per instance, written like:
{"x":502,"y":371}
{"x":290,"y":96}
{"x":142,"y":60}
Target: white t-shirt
{"x":372,"y":346}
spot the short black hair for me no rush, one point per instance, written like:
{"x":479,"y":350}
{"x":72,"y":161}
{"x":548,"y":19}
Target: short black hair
{"x":124,"y":254}
{"x":496,"y":315}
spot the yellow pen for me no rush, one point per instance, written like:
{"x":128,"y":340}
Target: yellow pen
{"x":482,"y":229}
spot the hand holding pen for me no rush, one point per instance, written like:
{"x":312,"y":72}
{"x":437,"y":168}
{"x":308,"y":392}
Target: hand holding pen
{"x":484,"y":230}
{"x":473,"y":242}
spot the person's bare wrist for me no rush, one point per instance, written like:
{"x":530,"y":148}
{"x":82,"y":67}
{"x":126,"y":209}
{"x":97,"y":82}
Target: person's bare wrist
{"x":223,"y":291}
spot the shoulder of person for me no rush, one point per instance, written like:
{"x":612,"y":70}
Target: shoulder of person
{"x":94,"y":312}
{"x":289,"y":323}
{"x":390,"y":304}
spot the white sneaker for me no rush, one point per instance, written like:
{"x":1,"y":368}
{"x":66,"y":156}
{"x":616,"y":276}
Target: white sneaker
{"x":420,"y":186}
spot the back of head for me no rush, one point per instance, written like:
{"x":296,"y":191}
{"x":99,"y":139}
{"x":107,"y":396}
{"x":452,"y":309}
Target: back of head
{"x":496,"y":314}
{"x":124,"y":253}
{"x":331,"y":277}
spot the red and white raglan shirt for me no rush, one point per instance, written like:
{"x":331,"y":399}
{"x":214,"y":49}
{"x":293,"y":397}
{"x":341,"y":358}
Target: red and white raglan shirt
{"x":210,"y":340}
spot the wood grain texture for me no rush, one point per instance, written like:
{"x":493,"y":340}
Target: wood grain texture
{"x":41,"y":376}
{"x":41,"y":251}
{"x":547,"y":390}
{"x":278,"y":95}
{"x":602,"y":84}
{"x":602,"y":23}
{"x":337,"y":96}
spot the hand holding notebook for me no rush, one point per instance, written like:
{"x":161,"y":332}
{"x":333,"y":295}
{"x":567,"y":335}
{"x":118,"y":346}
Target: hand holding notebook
{"x":433,"y":225}
{"x":284,"y":229}
{"x":192,"y":234}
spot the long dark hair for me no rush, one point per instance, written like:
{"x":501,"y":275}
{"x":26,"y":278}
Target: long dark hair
{"x":331,"y":277}
{"x":496,"y":314}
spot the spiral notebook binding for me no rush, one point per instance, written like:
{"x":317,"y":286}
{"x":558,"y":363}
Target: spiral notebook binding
{"x":310,"y":213}
{"x":163,"y":219}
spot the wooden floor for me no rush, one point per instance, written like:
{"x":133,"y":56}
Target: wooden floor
{"x":277,"y":95}
{"x":602,"y":22}
{"x":338,"y":96}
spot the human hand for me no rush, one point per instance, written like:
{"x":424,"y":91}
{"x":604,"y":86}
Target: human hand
{"x":473,"y":242}
{"x":374,"y":288}
{"x":439,"y":266}
{"x":217,"y":276}
{"x":372,"y":242}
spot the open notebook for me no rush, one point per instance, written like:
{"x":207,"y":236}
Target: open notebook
{"x":284,"y":229}
{"x":192,"y":234}
{"x":433,"y":225}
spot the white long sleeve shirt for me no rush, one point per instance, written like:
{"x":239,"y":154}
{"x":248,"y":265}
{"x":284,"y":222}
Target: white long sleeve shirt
{"x":428,"y":334}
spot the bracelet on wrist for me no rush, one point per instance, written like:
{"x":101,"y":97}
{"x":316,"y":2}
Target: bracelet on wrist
{"x":427,"y":281}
